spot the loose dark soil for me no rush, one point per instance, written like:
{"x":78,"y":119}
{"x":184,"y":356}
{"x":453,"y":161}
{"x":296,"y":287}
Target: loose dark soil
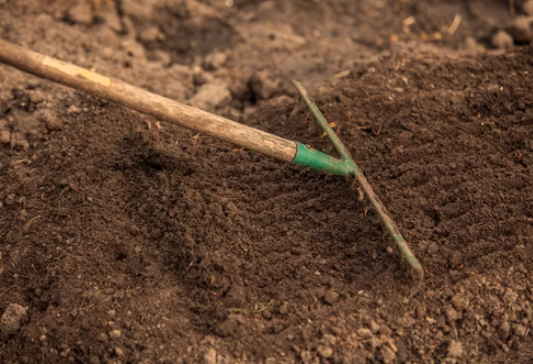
{"x":128,"y":240}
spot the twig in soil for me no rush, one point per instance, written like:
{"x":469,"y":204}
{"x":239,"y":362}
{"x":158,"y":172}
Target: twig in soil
{"x":237,"y":310}
{"x":28,"y":223}
{"x":454,"y":25}
{"x":341,"y":74}
{"x":264,"y":308}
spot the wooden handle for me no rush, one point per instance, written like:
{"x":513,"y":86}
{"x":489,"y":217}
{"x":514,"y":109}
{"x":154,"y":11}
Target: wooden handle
{"x":146,"y":102}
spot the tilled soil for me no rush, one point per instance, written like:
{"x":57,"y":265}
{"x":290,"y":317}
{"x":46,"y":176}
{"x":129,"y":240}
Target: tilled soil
{"x":127,"y":240}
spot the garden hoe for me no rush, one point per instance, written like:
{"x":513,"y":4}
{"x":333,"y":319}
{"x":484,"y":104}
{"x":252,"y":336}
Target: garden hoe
{"x":207,"y":123}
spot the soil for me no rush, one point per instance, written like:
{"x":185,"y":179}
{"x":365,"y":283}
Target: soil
{"x":128,"y":240}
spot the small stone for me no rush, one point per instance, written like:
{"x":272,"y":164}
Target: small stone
{"x":108,"y":291}
{"x":460,"y":302}
{"x":270,"y":361}
{"x":230,"y":207}
{"x":325,"y":351}
{"x":102,"y":337}
{"x":119,"y":352}
{"x":5,"y":137}
{"x":115,"y":334}
{"x":374,"y":327}
{"x":364,"y":333}
{"x":11,"y":320}
{"x":42,"y":337}
{"x":267,"y":314}
{"x":330,"y":297}
{"x":520,"y":30}
{"x":52,"y":124}
{"x":337,"y":331}
{"x":94,"y":360}
{"x":210,"y":357}
{"x":307,"y":357}
{"x":451,"y":315}
{"x":387,"y":355}
{"x":527,"y":7}
{"x":81,"y":13}
{"x":73,"y":109}
{"x":455,"y":349}
{"x":216,"y":60}
{"x":502,"y":40}
{"x":111,"y":313}
{"x":112,"y":19}
{"x":519,"y":330}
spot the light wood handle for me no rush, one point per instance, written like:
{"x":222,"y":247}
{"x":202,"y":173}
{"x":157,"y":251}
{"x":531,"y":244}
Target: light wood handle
{"x":146,"y":102}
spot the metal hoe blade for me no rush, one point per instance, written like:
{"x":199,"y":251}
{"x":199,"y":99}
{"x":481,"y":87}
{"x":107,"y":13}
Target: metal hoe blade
{"x":417,"y":273}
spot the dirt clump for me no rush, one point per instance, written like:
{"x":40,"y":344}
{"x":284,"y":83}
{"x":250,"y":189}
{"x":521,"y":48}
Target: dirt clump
{"x":127,"y":240}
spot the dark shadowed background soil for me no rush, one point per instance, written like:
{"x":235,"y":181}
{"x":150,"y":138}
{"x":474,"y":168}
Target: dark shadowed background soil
{"x":124,"y":239}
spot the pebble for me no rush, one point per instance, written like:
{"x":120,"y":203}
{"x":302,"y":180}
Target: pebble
{"x":519,"y":330}
{"x":270,"y":361}
{"x":11,"y":320}
{"x":330,"y":297}
{"x":267,"y":314}
{"x":210,"y":357}
{"x":73,"y":109}
{"x":119,"y":352}
{"x":528,"y":7}
{"x":325,"y":351}
{"x":52,"y":124}
{"x":81,"y":13}
{"x":115,"y":334}
{"x":364,"y":333}
{"x":459,"y":302}
{"x":519,"y":29}
{"x":451,"y":315}
{"x":455,"y":349}
{"x":502,"y":40}
{"x":94,"y":360}
{"x":5,"y":137}
{"x":103,"y":337}
{"x":111,"y":313}
{"x":387,"y":355}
